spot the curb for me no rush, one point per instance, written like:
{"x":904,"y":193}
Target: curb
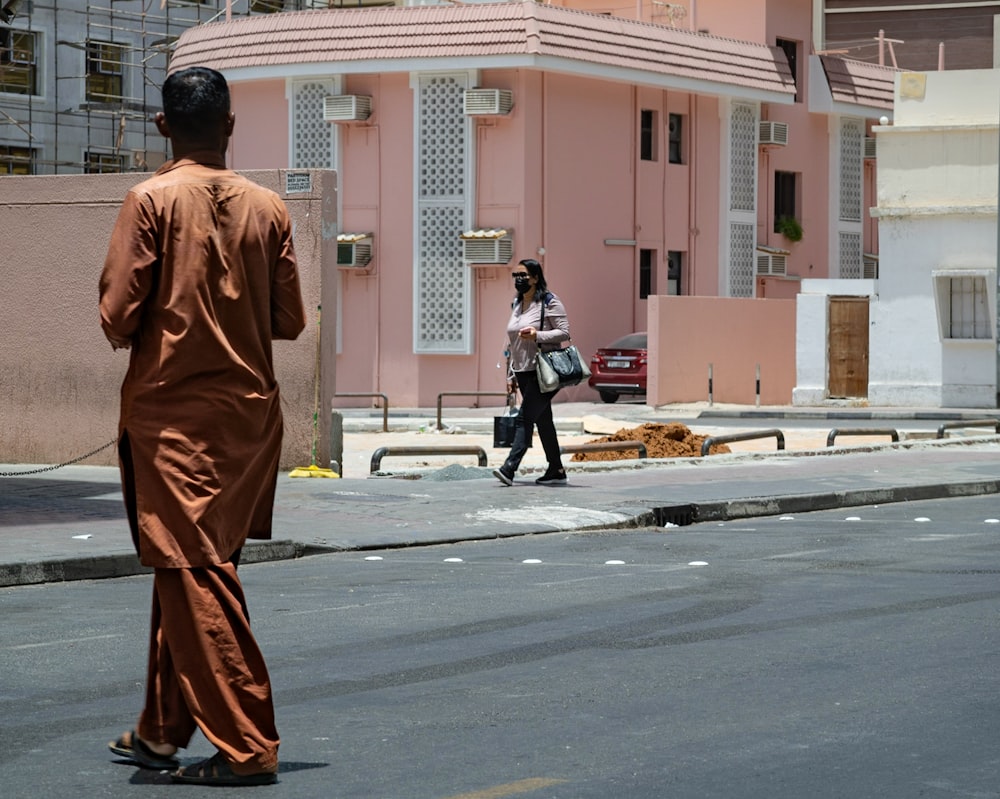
{"x":125,"y":565}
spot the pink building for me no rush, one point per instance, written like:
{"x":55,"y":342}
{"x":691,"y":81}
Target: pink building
{"x":638,"y":153}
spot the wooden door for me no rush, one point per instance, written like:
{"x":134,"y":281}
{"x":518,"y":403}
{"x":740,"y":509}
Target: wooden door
{"x":848,"y":347}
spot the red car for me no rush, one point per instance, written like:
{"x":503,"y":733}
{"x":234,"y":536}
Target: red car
{"x":620,"y":367}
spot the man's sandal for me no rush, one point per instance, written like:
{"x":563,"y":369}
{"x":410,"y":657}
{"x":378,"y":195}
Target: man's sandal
{"x":216,"y":771}
{"x":131,"y":747}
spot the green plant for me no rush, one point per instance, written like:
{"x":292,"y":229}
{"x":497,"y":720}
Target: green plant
{"x":789,"y":227}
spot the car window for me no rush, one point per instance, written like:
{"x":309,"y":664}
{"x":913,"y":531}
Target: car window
{"x":633,"y":341}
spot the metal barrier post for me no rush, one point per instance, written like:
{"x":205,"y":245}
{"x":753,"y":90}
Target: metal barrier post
{"x":443,"y":394}
{"x":758,"y":385}
{"x":710,"y":385}
{"x":381,"y":452}
{"x":606,"y":446}
{"x":708,"y":442}
{"x":337,"y":442}
{"x":994,"y":423}
{"x":861,"y":431}
{"x":385,"y":405}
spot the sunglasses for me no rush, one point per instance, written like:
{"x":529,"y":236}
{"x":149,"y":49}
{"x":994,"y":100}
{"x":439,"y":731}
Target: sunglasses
{"x":517,"y":275}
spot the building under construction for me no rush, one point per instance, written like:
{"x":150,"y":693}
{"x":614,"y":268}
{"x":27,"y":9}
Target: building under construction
{"x":80,"y":81}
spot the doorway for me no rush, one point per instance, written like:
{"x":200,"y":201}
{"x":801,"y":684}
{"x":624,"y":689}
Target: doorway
{"x":848,"y":348}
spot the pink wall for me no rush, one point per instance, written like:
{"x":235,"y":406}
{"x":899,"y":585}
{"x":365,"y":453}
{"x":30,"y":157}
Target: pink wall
{"x":59,"y":378}
{"x":734,"y":335}
{"x":376,"y":338}
{"x":260,"y":139}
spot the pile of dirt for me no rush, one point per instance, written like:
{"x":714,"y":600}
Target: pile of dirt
{"x":671,"y":440}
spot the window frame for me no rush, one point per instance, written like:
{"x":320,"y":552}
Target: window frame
{"x":647,"y":273}
{"x":648,"y":140}
{"x":790,"y":47}
{"x":675,"y":138}
{"x":101,"y":160}
{"x":786,"y":196}
{"x":981,"y":304}
{"x":9,"y":60}
{"x":13,"y":153}
{"x":99,"y":54}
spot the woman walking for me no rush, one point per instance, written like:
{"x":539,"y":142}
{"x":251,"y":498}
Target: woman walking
{"x":537,"y":320}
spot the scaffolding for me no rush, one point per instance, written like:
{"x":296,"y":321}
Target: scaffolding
{"x":80,"y":81}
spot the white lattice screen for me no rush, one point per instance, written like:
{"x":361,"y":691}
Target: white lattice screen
{"x":741,"y":259}
{"x":852,"y":136}
{"x":313,"y":139}
{"x":743,"y":158}
{"x":743,"y":125}
{"x":850,"y":255}
{"x":442,"y":282}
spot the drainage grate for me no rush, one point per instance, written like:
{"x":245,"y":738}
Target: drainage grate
{"x":678,"y":515}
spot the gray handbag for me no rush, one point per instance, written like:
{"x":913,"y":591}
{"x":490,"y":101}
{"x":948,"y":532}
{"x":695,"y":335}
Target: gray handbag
{"x":559,"y":368}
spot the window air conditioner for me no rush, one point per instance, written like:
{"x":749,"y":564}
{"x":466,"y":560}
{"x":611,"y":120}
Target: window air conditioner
{"x":346,"y":108}
{"x":354,"y":250}
{"x":771,"y":264}
{"x":773,"y":133}
{"x":869,"y":267}
{"x":869,"y":146}
{"x":487,"y":102}
{"x":487,"y":247}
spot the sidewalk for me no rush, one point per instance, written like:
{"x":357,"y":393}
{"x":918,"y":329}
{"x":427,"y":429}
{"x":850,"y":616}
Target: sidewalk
{"x":69,"y":524}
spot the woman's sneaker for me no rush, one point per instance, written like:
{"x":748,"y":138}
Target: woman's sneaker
{"x":503,"y":476}
{"x":552,"y":477}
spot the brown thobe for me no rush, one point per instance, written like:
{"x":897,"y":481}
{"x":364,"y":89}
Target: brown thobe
{"x":200,"y":277}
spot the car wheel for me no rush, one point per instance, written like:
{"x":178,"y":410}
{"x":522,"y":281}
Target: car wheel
{"x":608,"y":396}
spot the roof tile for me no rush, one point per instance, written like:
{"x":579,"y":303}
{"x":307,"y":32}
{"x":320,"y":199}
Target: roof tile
{"x":512,"y":28}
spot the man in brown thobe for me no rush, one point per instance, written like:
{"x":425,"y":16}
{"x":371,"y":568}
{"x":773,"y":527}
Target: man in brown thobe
{"x":200,"y":277}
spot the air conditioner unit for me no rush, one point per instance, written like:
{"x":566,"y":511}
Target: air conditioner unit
{"x":869,"y":267}
{"x":773,"y":133}
{"x":353,"y":250}
{"x":487,"y":251}
{"x":869,"y":146}
{"x":771,"y":264}
{"x":487,"y":102}
{"x":346,"y":108}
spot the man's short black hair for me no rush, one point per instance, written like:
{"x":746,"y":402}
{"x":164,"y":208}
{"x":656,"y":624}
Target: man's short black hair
{"x":195,"y":101}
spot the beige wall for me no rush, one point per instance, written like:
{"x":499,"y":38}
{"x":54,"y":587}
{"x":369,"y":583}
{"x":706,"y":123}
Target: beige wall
{"x":59,"y":379}
{"x":686,"y":334}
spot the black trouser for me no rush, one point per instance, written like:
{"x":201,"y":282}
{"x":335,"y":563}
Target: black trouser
{"x":536,"y":411}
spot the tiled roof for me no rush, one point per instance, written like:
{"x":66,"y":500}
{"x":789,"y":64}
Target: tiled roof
{"x":515,"y":34}
{"x":859,"y":83}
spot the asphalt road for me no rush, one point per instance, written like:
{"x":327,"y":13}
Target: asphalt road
{"x":837,"y":654}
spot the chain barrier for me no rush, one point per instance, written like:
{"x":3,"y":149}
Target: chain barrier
{"x":111,"y":443}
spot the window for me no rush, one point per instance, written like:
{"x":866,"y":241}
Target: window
{"x":784,"y":198}
{"x":646,"y":273}
{"x":103,"y":163}
{"x":267,"y":6}
{"x":105,"y":68}
{"x":647,"y":141}
{"x":16,"y":160}
{"x":675,"y":265}
{"x":963,"y":303}
{"x":791,"y":50}
{"x":675,"y":133}
{"x":18,"y":62}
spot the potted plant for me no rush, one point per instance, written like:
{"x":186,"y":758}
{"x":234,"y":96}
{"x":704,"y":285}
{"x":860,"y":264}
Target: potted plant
{"x":789,"y":227}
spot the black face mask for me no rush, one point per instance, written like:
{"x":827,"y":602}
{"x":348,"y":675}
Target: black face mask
{"x":523,"y":285}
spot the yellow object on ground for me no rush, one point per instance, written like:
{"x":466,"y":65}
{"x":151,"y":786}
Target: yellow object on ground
{"x":312,"y":471}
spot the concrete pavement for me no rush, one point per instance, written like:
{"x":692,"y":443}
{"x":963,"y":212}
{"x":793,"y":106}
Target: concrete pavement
{"x":69,"y":523}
